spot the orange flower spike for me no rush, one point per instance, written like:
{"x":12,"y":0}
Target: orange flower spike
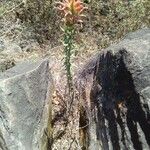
{"x":72,"y":10}
{"x":74,"y":6}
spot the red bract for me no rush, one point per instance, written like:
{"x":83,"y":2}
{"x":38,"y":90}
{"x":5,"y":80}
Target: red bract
{"x":71,"y":10}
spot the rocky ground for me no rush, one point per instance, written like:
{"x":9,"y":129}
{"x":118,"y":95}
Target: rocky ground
{"x":18,"y":43}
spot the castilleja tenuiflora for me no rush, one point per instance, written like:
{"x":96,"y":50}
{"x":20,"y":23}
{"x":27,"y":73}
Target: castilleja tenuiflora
{"x":72,"y":13}
{"x":71,"y":10}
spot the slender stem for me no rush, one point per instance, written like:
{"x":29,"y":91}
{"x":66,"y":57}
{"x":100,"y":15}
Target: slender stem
{"x":68,"y":47}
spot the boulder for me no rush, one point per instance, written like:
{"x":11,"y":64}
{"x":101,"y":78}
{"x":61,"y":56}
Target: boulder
{"x":25,"y":106}
{"x":118,"y":110}
{"x":9,"y":47}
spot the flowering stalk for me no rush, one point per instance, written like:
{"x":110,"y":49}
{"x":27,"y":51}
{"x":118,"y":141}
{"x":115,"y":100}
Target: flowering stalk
{"x":72,"y":14}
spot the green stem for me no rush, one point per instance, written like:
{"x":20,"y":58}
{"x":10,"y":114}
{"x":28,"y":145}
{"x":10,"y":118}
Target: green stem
{"x":68,"y":47}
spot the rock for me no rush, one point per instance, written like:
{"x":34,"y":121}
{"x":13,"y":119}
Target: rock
{"x":12,"y":49}
{"x":118,"y":110}
{"x":8,"y":47}
{"x":25,"y":105}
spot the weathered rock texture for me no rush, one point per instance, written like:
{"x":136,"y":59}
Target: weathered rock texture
{"x":25,"y":100}
{"x":117,"y":114}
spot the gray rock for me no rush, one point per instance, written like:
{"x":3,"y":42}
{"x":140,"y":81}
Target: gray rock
{"x":25,"y":101}
{"x":120,"y":95}
{"x":8,"y":47}
{"x":12,"y":48}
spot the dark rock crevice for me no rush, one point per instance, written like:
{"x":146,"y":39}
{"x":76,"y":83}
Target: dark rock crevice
{"x":3,"y":145}
{"x":83,"y":125}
